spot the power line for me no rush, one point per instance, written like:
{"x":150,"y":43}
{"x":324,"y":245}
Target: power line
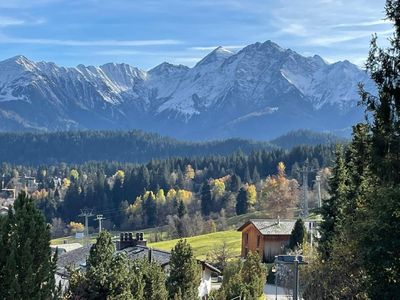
{"x":100,"y":218}
{"x":305,"y":170}
{"x":86,"y":213}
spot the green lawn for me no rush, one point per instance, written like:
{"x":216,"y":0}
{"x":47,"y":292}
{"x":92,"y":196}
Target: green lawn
{"x":202,"y":244}
{"x":149,"y":232}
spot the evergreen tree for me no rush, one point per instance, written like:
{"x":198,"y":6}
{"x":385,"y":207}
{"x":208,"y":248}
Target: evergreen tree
{"x":298,"y":235}
{"x":154,"y":281}
{"x":242,"y":205}
{"x":181,"y":209}
{"x":254,"y":275}
{"x":184,"y":278}
{"x":380,"y":223}
{"x":235,"y":183}
{"x":206,"y":199}
{"x":27,"y":268}
{"x":333,"y":209}
{"x":256,"y":176}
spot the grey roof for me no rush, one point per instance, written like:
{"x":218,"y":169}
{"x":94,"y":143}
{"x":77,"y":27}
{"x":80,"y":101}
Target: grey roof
{"x":141,"y":252}
{"x":271,"y":226}
{"x":78,"y":257}
{"x":73,"y":259}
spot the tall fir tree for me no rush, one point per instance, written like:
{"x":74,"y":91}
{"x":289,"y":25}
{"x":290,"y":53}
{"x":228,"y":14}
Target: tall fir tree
{"x":333,"y":209}
{"x":381,"y":222}
{"x":27,"y":267}
{"x":242,"y":205}
{"x":184,"y":278}
{"x":206,"y":199}
{"x":298,"y":235}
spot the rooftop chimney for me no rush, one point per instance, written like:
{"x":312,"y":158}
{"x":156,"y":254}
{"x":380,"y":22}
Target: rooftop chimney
{"x":126,"y":239}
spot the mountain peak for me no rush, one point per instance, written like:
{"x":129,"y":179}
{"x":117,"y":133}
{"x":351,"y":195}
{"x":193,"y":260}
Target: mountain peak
{"x":166,"y":67}
{"x":218,"y":54}
{"x":18,"y":63}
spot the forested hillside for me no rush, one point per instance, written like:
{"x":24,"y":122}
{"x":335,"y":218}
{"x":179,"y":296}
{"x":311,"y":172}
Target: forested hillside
{"x":306,"y":137}
{"x":173,"y":191}
{"x":123,"y":146}
{"x":133,"y":146}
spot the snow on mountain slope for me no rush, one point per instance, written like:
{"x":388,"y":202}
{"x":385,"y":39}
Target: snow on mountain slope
{"x":260,"y":83}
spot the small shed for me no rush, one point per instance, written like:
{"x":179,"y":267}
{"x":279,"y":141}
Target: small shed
{"x":266,"y":237}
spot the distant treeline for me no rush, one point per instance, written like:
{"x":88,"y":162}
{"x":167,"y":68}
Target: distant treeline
{"x":131,"y":146}
{"x":111,"y":187}
{"x":122,"y":146}
{"x":307,"y":137}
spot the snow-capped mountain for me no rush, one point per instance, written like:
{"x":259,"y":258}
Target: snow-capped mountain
{"x":261,"y":91}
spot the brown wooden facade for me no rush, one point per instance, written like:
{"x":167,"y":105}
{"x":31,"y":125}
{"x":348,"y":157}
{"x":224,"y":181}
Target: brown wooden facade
{"x":267,"y":246}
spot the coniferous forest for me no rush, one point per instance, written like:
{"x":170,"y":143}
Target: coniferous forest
{"x":144,"y":195}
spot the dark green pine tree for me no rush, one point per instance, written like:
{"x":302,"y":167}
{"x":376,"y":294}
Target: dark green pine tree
{"x":298,"y":235}
{"x":246,"y":174}
{"x":154,"y":280}
{"x":27,"y":268}
{"x":380,"y":225}
{"x":235,"y":183}
{"x":206,"y":199}
{"x":362,"y":180}
{"x":181,"y":209}
{"x":333,"y":209}
{"x":99,"y":265}
{"x":184,"y":278}
{"x":256,"y":176}
{"x":242,"y":205}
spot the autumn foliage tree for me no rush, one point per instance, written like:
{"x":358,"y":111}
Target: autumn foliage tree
{"x":279,"y":194}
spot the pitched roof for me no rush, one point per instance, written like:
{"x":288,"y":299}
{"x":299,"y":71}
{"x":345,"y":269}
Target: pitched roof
{"x":73,"y":259}
{"x":78,"y":257}
{"x":141,"y":252}
{"x":271,"y":226}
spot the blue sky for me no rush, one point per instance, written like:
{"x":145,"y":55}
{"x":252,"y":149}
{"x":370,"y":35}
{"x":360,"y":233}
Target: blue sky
{"x":145,"y":33}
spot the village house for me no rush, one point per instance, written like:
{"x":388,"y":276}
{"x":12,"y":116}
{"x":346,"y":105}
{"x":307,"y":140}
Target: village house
{"x":135,"y":247}
{"x":266,"y":237}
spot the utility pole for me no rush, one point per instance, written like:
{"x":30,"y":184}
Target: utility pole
{"x":305,"y":170}
{"x":100,"y":218}
{"x":312,"y":225}
{"x":318,"y":181}
{"x":86,"y":213}
{"x":296,"y":279}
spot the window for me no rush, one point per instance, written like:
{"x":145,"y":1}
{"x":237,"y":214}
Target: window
{"x":246,"y":251}
{"x":258,"y":241}
{"x":246,"y":238}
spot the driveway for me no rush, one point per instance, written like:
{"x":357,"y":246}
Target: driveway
{"x":269,"y":290}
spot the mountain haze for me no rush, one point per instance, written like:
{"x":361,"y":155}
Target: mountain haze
{"x":260,"y":92}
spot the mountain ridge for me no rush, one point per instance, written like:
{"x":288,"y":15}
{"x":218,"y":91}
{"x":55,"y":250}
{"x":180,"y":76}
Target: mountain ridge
{"x":259,"y":92}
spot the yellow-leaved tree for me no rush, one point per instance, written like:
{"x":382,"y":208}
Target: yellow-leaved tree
{"x":279,"y":195}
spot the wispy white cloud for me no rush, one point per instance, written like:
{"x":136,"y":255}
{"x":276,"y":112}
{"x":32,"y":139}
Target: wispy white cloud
{"x":7,"y":21}
{"x":88,"y":43}
{"x":343,"y":37}
{"x":295,"y":29}
{"x":362,"y":24}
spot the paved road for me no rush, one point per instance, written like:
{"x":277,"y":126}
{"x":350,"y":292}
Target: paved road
{"x":269,"y":290}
